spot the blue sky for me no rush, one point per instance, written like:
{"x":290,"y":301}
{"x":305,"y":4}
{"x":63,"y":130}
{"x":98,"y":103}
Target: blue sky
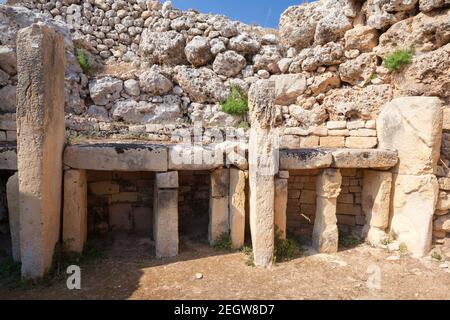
{"x":262,"y":12}
{"x":265,"y":13}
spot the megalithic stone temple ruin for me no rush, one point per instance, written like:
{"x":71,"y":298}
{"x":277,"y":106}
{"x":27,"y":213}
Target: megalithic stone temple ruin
{"x":138,"y":117}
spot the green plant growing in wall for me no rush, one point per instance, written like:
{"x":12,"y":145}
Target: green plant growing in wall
{"x":397,"y":59}
{"x":83,"y":60}
{"x":237,"y":102}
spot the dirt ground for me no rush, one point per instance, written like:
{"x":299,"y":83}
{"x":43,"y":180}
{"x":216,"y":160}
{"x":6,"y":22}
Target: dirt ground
{"x":129,"y":270}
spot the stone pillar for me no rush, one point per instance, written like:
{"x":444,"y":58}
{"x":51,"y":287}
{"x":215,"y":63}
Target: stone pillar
{"x":281,"y":199}
{"x":325,"y":234}
{"x":218,"y":204}
{"x":237,"y":207}
{"x":263,"y":165}
{"x":41,"y":135}
{"x":375,"y":202}
{"x":12,"y":195}
{"x":165,"y":214}
{"x":75,"y":210}
{"x":413,"y":127}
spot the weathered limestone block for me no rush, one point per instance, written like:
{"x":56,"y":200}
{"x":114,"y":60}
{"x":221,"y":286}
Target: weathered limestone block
{"x":193,"y":157}
{"x":218,"y":204}
{"x":165,"y":224}
{"x":263,"y":165}
{"x":167,"y":180}
{"x":75,"y":210}
{"x":296,"y":159}
{"x":413,"y":204}
{"x":41,"y":134}
{"x":412,"y":126}
{"x":237,"y":207}
{"x":281,"y":198}
{"x":12,"y":194}
{"x":117,"y":157}
{"x":325,"y":233}
{"x":375,"y":197}
{"x":364,"y":158}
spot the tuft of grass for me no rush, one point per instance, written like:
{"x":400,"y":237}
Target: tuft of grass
{"x":223,"y":242}
{"x":248,"y":252}
{"x":347,"y":240}
{"x":237,"y":102}
{"x":83,"y":60}
{"x":10,"y":276}
{"x":397,"y":59}
{"x":285,"y":249}
{"x":386,"y":241}
{"x":436,"y":256}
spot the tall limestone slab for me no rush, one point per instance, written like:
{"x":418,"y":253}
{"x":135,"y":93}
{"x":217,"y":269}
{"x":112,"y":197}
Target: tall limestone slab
{"x":325,"y":237}
{"x":12,"y":194}
{"x":375,"y":203}
{"x":165,"y":214}
{"x":413,"y":126}
{"x":281,"y":200}
{"x":75,"y":210}
{"x":263,"y":165}
{"x":219,"y":205}
{"x":237,"y":207}
{"x":41,"y":134}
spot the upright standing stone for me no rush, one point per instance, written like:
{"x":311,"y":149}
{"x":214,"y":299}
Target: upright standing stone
{"x":281,"y":198}
{"x":218,"y":204}
{"x":237,"y":207}
{"x":12,"y":194}
{"x":75,"y":210}
{"x":375,"y":199}
{"x":413,"y":126}
{"x":41,"y":134}
{"x":165,"y":215}
{"x":263,"y":165}
{"x":325,"y":233}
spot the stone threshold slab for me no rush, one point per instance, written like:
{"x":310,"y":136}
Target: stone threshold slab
{"x":298,"y":159}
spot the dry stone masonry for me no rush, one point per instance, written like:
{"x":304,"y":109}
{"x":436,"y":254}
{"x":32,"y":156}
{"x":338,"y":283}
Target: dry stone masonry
{"x":111,"y":119}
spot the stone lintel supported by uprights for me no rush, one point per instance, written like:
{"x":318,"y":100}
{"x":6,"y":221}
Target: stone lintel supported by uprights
{"x":219,"y":204}
{"x":263,"y":166}
{"x":325,"y":233}
{"x":281,"y":199}
{"x":237,"y":207}
{"x":12,"y":194}
{"x":375,"y":203}
{"x":165,"y":214}
{"x":413,"y":127}
{"x":75,"y":210}
{"x":41,"y":135}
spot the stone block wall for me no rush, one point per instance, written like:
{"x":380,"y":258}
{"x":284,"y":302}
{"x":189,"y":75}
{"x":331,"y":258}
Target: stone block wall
{"x":359,"y":134}
{"x":120,"y":201}
{"x":193,"y":203}
{"x":301,"y":206}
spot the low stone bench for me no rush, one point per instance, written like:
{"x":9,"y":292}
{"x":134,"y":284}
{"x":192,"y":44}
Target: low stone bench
{"x":8,"y":156}
{"x":298,"y":159}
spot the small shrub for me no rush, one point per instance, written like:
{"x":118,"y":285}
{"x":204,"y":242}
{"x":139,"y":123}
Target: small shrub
{"x":10,"y":276}
{"x":237,"y":102}
{"x":83,"y":60}
{"x":436,"y":256}
{"x":285,"y":249}
{"x":397,"y":59}
{"x":347,"y":240}
{"x":248,"y":252}
{"x":223,"y":242}
{"x":386,"y":241}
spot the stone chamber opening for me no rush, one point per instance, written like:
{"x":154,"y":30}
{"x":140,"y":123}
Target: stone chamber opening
{"x":5,"y":235}
{"x":301,"y":207}
{"x":193,"y":205}
{"x":120,"y":202}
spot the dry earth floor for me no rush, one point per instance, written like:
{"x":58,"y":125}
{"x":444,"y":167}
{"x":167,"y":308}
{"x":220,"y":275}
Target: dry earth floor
{"x":128,"y":270}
